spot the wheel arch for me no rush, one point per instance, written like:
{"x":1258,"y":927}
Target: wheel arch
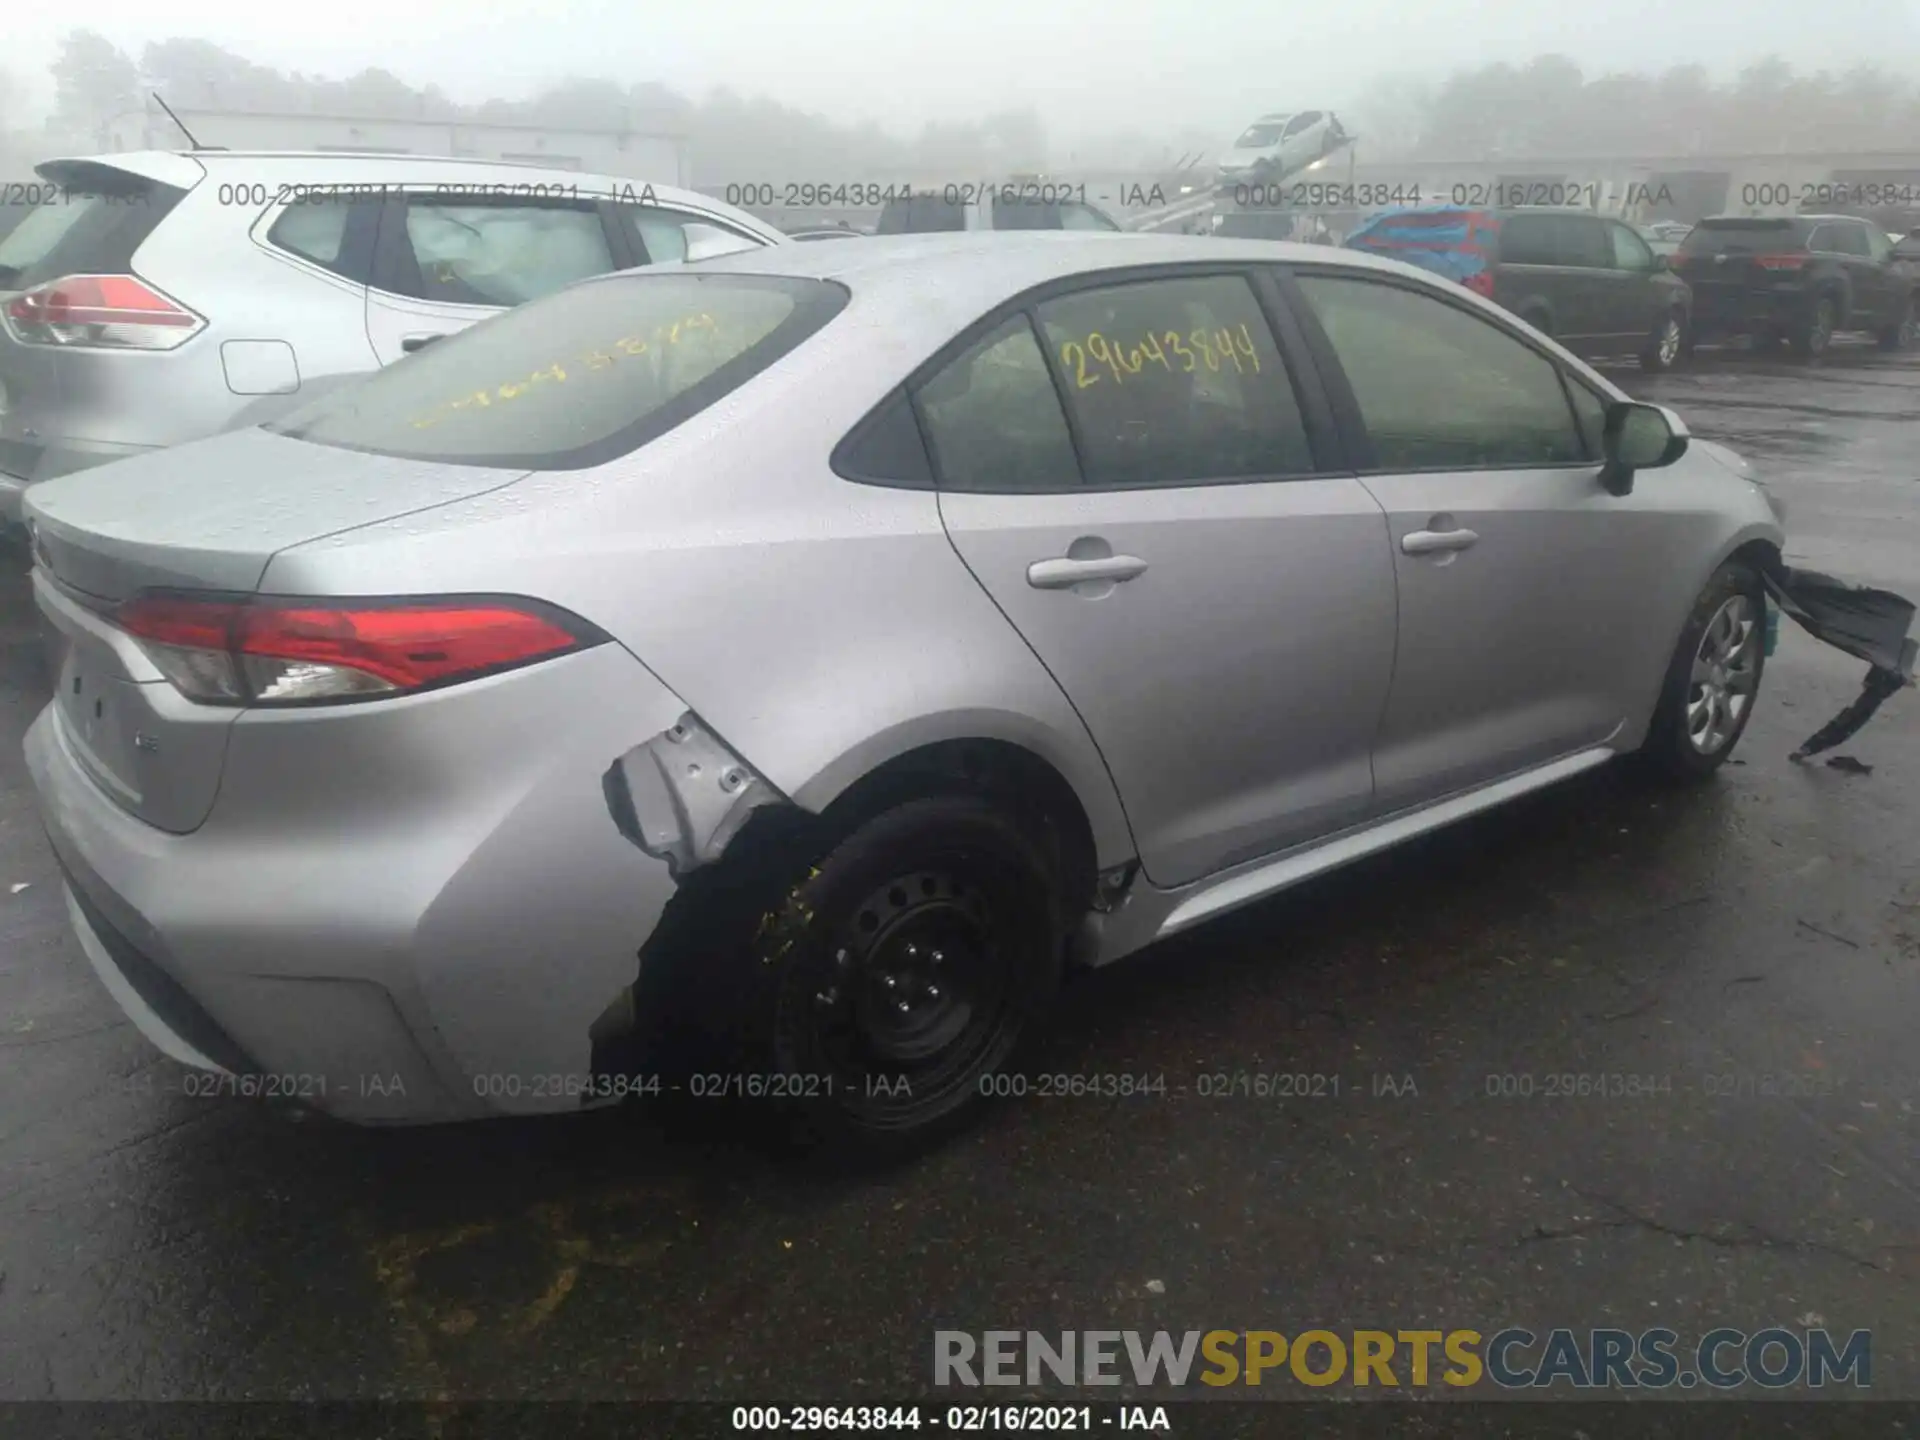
{"x":1015,"y":758}
{"x":1536,"y":309}
{"x":1756,"y":544}
{"x":1838,"y":287}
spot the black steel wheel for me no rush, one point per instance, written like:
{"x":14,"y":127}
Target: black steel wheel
{"x":904,"y":969}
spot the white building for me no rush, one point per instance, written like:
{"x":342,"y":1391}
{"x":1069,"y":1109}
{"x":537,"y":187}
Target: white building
{"x":653,"y":156}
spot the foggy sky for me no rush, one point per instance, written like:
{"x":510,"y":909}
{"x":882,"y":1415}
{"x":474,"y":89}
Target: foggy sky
{"x":1087,"y":68}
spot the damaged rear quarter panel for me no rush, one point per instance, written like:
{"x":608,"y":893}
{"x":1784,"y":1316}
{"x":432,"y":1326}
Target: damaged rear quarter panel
{"x":816,"y":626}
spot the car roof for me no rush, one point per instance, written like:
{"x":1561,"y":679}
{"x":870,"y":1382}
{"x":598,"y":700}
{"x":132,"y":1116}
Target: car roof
{"x":934,"y":284}
{"x":186,"y":168}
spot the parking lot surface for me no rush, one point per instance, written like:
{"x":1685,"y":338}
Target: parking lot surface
{"x":1750,"y":949}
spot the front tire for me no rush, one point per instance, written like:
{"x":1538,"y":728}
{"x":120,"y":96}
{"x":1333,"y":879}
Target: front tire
{"x":904,"y":970}
{"x":1713,"y":679}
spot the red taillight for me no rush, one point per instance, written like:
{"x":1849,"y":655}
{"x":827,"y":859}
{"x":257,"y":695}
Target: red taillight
{"x":117,"y":312}
{"x":1787,"y":261}
{"x":290,"y":652}
{"x":1480,"y":283}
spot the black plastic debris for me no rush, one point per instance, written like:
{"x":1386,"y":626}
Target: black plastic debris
{"x":1847,"y":765}
{"x":1867,"y":623}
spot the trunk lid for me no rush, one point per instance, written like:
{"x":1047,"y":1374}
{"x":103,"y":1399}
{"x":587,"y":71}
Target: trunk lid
{"x":209,"y":515}
{"x":206,"y":516}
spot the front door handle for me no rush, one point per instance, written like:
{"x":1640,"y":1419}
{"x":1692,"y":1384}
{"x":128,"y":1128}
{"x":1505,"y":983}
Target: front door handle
{"x":1063,"y":573}
{"x":1429,"y":542}
{"x":418,"y":342}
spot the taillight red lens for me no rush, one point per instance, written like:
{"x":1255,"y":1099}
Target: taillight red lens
{"x":283,"y":651}
{"x":1788,"y":261}
{"x":118,"y":312}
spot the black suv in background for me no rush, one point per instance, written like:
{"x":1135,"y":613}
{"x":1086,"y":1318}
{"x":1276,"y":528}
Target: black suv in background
{"x":1798,"y":278}
{"x":1590,"y":281}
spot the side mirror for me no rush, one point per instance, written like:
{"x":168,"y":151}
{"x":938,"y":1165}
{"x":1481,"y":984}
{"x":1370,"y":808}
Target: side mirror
{"x":1663,"y":262}
{"x":1639,"y":437}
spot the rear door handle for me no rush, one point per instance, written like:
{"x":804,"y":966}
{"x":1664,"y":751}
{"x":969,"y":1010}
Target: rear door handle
{"x":412,"y":343}
{"x":1063,"y":574}
{"x":1431,"y":542}
{"x":1428,"y":542}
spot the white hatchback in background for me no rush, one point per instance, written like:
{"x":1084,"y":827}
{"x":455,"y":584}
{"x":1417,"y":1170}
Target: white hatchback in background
{"x":162,"y":296}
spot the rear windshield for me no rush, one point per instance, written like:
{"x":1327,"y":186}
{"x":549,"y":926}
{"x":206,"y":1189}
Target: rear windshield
{"x":577,"y":378}
{"x":920,"y":215}
{"x":12,"y":212}
{"x":1742,"y":236}
{"x":90,"y":227}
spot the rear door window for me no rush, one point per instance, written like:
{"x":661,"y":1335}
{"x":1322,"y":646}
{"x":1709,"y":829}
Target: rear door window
{"x":334,"y":232}
{"x":85,"y":231}
{"x":578,"y":378}
{"x":1175,"y":381}
{"x":993,"y":418}
{"x":1581,"y":241}
{"x":471,"y":251}
{"x":1850,"y":240}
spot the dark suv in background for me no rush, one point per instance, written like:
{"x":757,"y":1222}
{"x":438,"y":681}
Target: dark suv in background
{"x":1590,"y":281}
{"x":1798,"y":278}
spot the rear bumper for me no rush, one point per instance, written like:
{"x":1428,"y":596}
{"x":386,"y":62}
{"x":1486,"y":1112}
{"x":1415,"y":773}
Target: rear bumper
{"x":420,"y":966}
{"x":1746,"y":310}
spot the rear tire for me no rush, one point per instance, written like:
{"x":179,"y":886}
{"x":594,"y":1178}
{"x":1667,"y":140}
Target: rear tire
{"x":1713,"y":679}
{"x":1899,"y":336}
{"x":898,"y":975}
{"x":1813,"y":332}
{"x":1666,"y":345}
{"x":1537,"y":318}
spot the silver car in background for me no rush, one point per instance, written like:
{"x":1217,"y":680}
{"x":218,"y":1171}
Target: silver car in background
{"x":157,"y":297}
{"x":1281,"y":144}
{"x":813,"y":652}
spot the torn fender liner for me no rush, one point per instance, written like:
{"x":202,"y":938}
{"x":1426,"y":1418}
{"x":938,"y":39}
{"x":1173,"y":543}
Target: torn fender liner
{"x":1867,"y":623}
{"x":683,"y":795}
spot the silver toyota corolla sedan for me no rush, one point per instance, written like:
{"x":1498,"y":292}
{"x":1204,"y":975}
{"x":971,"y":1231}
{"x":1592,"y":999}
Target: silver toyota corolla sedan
{"x":814,"y":651}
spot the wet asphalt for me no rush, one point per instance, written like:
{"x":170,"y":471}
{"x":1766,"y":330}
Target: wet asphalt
{"x":158,"y":1246}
